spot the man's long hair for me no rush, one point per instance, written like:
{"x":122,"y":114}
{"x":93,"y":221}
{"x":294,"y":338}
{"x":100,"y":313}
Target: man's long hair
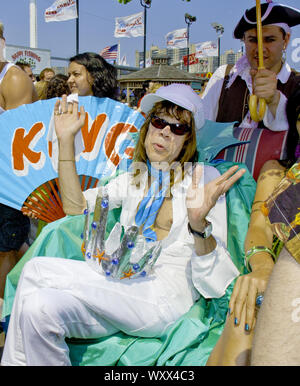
{"x":188,"y":152}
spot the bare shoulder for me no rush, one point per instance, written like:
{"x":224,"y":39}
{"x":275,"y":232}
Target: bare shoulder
{"x":270,"y":176}
{"x":15,"y":75}
{"x":271,"y":165}
{"x":16,"y":88}
{"x":271,"y":171}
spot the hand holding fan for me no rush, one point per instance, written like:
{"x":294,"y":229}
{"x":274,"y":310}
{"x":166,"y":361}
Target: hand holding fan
{"x":29,"y":152}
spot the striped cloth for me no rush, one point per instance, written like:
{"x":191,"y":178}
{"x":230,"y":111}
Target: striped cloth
{"x":264,"y":145}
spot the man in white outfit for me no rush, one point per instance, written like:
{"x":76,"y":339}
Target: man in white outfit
{"x":58,"y":298}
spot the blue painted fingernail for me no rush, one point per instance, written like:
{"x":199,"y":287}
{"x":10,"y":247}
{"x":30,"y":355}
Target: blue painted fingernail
{"x":229,"y":311}
{"x":235,"y":321}
{"x":247,"y":327}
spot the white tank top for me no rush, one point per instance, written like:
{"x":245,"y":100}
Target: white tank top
{"x":2,"y":75}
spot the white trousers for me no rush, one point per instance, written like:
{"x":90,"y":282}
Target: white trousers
{"x":59,"y":298}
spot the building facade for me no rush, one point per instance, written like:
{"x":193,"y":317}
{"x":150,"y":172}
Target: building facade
{"x":177,"y":58}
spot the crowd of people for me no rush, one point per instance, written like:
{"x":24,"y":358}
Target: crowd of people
{"x":174,"y":205}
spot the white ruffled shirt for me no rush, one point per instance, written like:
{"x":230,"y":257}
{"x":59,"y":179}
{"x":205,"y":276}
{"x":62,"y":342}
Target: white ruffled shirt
{"x":180,"y":269}
{"x":213,"y":90}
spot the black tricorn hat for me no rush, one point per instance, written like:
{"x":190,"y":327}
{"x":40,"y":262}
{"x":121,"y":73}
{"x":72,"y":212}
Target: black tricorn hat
{"x":271,"y":13}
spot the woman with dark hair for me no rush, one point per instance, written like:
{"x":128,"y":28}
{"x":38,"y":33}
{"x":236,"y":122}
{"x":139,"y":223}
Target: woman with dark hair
{"x":90,"y":74}
{"x":57,"y":86}
{"x":179,"y":222}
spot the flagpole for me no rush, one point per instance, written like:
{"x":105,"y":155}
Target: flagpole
{"x":146,"y":4}
{"x":77,"y":28}
{"x":119,"y":48}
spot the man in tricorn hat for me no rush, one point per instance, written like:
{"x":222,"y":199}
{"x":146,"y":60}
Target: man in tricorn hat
{"x":227,"y":93}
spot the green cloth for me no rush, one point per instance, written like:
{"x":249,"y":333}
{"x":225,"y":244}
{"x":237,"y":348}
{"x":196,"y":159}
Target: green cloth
{"x":214,"y":137}
{"x":191,"y":339}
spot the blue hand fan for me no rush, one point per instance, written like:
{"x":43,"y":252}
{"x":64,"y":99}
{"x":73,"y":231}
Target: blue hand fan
{"x":29,"y":152}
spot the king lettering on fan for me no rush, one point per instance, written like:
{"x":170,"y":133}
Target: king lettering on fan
{"x":29,"y":163}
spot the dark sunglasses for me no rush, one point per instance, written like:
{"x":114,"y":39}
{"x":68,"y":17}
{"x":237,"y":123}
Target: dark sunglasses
{"x":176,"y":128}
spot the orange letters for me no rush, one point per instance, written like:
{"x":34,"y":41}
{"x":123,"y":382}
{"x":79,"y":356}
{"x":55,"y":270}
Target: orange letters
{"x":20,"y":146}
{"x":23,"y":144}
{"x":90,"y":137}
{"x":111,"y":138}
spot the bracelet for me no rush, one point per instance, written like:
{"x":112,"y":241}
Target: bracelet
{"x":256,"y":249}
{"x":66,"y":160}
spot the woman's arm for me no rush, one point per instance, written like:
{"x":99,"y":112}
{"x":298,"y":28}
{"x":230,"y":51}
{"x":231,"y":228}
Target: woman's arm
{"x":259,"y":231}
{"x":259,"y":234}
{"x":67,"y":123}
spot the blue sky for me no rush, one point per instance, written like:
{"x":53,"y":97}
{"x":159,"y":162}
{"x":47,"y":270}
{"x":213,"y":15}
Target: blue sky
{"x":97,"y":22}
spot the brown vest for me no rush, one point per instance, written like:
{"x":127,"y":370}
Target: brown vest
{"x":233,"y":102}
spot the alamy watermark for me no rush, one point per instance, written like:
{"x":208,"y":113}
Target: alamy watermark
{"x":296,"y":311}
{"x":296,"y":50}
{"x":140,"y":177}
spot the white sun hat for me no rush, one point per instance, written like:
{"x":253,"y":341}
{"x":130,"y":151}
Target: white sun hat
{"x":179,"y":94}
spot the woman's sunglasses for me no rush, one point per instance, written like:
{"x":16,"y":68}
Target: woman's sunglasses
{"x":176,"y":128}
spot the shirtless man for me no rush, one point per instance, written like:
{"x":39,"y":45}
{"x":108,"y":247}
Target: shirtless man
{"x":16,"y":89}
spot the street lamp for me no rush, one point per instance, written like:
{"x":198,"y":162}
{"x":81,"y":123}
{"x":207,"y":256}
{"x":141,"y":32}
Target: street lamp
{"x":219,"y":30}
{"x":189,"y":19}
{"x":77,"y":28}
{"x":146,"y":4}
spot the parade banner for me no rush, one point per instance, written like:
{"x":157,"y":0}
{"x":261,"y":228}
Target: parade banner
{"x":192,"y":59}
{"x":177,"y":38}
{"x":205,"y":49}
{"x":61,"y":10}
{"x":38,"y":59}
{"x":29,"y":151}
{"x":129,"y":26}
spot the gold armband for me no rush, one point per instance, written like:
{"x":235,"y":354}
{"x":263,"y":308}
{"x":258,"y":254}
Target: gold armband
{"x":256,"y":249}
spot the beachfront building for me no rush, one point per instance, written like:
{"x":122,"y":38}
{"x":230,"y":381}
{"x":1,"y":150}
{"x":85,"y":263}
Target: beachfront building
{"x":178,"y":58}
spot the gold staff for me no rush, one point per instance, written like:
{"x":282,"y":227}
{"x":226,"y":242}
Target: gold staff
{"x":258,"y":116}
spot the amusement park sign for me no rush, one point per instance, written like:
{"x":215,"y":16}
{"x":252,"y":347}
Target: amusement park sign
{"x":37,"y":58}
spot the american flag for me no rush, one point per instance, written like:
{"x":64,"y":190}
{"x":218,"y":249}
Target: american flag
{"x":110,"y":52}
